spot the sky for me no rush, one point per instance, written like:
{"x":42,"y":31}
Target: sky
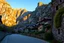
{"x":30,"y":5}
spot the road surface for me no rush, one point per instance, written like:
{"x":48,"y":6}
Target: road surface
{"x":17,"y":38}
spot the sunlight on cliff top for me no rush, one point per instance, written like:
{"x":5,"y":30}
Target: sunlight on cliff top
{"x":9,"y":14}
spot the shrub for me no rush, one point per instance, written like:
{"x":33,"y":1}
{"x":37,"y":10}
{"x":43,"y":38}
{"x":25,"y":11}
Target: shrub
{"x":48,"y":36}
{"x":1,"y":28}
{"x":58,"y":17}
{"x":48,"y":26}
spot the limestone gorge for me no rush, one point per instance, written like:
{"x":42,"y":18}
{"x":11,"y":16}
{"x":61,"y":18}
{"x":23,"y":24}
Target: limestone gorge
{"x":46,"y":21}
{"x":10,"y":16}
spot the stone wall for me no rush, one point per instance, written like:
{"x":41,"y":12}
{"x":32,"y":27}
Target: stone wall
{"x":59,"y":32}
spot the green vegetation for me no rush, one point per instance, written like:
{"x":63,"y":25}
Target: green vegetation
{"x":55,"y":41}
{"x":5,"y":28}
{"x":1,"y":28}
{"x":10,"y":29}
{"x":49,"y":36}
{"x":58,"y":17}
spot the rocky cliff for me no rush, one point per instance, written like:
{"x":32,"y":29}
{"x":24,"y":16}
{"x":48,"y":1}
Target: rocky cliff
{"x":9,"y":15}
{"x":12,"y":17}
{"x":28,"y":17}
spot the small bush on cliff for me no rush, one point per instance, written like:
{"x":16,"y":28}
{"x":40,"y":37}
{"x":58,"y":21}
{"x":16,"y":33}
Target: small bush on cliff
{"x":58,"y":17}
{"x":1,"y":28}
{"x":49,"y":36}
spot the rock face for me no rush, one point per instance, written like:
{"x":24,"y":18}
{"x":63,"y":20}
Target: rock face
{"x":11,"y":17}
{"x":20,"y":17}
{"x":27,"y":17}
{"x":40,"y":4}
{"x":59,"y":32}
{"x":8,"y":14}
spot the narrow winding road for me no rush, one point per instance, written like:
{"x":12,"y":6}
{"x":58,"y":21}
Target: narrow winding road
{"x":17,"y":38}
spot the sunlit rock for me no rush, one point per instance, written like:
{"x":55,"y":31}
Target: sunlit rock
{"x":40,"y":4}
{"x":9,"y":15}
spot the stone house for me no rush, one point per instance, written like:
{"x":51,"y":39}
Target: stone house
{"x":58,"y":33}
{"x":56,"y":4}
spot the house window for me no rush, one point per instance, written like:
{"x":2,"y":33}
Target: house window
{"x":60,"y":0}
{"x":56,"y":7}
{"x":58,"y":31}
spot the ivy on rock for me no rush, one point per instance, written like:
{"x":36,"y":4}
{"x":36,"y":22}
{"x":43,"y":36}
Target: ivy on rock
{"x":58,"y":17}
